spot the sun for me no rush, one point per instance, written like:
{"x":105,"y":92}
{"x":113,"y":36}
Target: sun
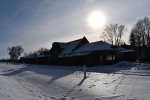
{"x":96,"y":19}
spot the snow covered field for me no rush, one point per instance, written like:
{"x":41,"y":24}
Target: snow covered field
{"x":122,"y":81}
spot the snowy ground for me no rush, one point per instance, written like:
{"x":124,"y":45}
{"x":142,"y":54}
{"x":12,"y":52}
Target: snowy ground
{"x":122,"y":81}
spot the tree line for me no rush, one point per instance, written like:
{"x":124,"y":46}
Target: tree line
{"x":139,"y":36}
{"x":140,"y":33}
{"x":16,"y":51}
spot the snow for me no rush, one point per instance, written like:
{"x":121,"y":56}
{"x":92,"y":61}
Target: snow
{"x":94,"y":46}
{"x":62,"y":45}
{"x":100,"y":46}
{"x":121,"y":81}
{"x":70,"y":47}
{"x":124,"y":64}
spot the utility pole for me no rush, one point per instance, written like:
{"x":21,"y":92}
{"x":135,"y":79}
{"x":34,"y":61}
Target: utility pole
{"x":84,"y":69}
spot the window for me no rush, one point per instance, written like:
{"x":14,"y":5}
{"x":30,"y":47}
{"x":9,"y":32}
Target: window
{"x":110,"y":57}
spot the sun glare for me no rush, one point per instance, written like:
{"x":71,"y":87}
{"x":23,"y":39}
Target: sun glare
{"x":96,"y":19}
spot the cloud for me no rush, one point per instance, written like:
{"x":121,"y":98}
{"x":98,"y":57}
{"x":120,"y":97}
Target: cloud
{"x":38,"y":23}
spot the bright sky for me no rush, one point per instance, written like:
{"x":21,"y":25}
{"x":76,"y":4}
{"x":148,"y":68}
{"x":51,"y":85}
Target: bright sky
{"x":37,"y":23}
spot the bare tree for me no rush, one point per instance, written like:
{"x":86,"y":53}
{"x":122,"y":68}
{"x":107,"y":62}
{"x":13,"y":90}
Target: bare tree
{"x":141,"y":32}
{"x":132,"y":39}
{"x":42,"y":51}
{"x":113,"y":34}
{"x":15,"y":52}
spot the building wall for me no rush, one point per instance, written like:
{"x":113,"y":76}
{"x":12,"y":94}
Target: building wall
{"x":93,"y":58}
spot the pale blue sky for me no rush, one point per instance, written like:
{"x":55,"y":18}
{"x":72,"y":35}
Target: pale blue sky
{"x":37,"y":23}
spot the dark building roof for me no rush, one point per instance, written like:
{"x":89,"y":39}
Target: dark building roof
{"x":91,"y":47}
{"x":97,"y":46}
{"x":94,"y":46}
{"x":71,"y":46}
{"x":63,"y":48}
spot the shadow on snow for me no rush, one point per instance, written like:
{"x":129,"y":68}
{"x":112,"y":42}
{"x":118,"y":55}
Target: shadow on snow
{"x":57,"y":72}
